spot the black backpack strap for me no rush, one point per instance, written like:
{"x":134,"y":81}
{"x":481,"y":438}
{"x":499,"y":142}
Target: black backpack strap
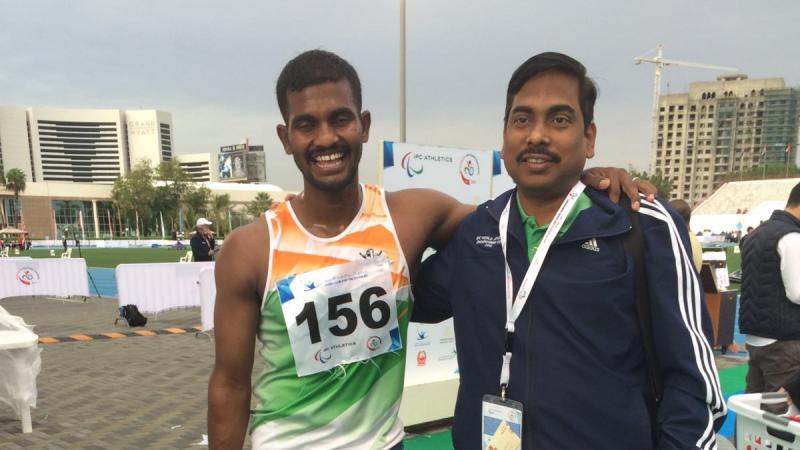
{"x":635,"y":246}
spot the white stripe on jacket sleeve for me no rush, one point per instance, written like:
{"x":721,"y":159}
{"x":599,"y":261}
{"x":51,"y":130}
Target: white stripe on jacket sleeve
{"x":690,"y":301}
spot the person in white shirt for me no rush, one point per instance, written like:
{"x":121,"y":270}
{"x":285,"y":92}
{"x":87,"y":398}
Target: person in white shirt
{"x":770,"y":304}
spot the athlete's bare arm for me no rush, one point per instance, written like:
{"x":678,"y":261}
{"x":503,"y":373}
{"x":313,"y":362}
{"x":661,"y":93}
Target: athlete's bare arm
{"x":240,"y":277}
{"x":427,"y":218}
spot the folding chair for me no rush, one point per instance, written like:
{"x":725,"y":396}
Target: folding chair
{"x":187,"y":258}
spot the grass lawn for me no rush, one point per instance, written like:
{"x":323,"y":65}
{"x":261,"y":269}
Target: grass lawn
{"x":734,"y":260}
{"x":111,"y":257}
{"x":734,"y":264}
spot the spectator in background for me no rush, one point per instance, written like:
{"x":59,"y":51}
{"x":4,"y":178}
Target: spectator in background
{"x":64,"y":243}
{"x":741,"y":241}
{"x":770,"y":304}
{"x":203,"y":241}
{"x":685,"y":212}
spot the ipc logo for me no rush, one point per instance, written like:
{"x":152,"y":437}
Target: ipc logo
{"x":406,"y":164}
{"x":323,"y":356}
{"x":374,"y":343}
{"x":28,"y":276}
{"x":469,"y":169}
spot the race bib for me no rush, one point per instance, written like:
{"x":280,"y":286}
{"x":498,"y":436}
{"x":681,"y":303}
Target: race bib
{"x":340,"y":314}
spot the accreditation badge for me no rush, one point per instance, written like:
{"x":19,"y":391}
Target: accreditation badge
{"x":501,"y":424}
{"x":340,"y":314}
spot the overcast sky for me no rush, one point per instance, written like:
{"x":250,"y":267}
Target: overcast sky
{"x":213,"y":65}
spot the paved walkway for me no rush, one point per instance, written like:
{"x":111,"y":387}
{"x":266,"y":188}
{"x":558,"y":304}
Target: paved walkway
{"x":127,"y":393}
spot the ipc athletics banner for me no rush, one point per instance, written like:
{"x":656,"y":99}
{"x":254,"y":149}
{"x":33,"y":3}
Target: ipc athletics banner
{"x":465,"y":175}
{"x":501,"y":182}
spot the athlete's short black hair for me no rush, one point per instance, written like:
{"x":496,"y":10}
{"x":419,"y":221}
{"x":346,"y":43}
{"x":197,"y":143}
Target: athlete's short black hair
{"x":314,"y":67}
{"x":543,"y":62}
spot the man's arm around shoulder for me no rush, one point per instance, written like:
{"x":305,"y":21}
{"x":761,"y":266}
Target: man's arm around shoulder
{"x":239,"y":279}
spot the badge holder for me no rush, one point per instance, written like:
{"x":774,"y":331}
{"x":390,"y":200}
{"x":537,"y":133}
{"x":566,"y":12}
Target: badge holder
{"x":501,"y":423}
{"x":501,"y":418}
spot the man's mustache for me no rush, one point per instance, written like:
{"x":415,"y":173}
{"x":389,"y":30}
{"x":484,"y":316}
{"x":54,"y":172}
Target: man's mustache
{"x":538,"y":150}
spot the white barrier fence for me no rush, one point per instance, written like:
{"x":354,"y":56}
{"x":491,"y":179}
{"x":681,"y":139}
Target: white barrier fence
{"x":55,"y":277}
{"x":119,"y":243}
{"x":160,"y":286}
{"x":208,"y":295}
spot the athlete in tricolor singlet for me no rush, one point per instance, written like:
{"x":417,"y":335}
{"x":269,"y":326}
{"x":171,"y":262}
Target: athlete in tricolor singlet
{"x":323,"y":282}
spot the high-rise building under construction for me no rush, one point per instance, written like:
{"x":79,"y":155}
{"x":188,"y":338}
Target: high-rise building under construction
{"x":726,"y":126}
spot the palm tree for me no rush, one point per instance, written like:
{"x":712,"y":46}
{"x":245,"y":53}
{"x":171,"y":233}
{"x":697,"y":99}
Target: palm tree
{"x":220,"y":205}
{"x":15,"y":181}
{"x":261,"y":203}
{"x":2,"y":201}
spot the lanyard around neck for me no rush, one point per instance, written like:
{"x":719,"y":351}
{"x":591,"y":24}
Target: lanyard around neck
{"x":514,"y":305}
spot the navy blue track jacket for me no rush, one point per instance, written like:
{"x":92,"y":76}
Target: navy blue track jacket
{"x":578,"y":362}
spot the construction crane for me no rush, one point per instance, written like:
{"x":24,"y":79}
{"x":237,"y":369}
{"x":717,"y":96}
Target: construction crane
{"x":661,"y":62}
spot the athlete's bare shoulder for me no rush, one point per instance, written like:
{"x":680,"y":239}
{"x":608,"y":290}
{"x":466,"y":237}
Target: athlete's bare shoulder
{"x":244,"y":258}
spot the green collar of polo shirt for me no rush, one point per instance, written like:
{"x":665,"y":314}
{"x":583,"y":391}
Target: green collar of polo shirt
{"x":534,"y":233}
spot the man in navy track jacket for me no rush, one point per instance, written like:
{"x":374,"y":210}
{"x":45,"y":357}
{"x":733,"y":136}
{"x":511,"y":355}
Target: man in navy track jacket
{"x":578,"y":364}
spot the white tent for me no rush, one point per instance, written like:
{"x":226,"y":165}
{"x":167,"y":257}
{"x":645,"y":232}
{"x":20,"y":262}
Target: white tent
{"x":12,"y":230}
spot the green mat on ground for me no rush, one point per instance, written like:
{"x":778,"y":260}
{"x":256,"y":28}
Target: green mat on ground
{"x":732,"y":380}
{"x":435,"y":441}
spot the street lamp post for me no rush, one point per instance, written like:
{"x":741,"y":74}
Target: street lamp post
{"x":402,"y":70}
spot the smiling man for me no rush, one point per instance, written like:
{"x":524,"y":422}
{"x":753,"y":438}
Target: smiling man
{"x":550,"y":349}
{"x":323,"y":282}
